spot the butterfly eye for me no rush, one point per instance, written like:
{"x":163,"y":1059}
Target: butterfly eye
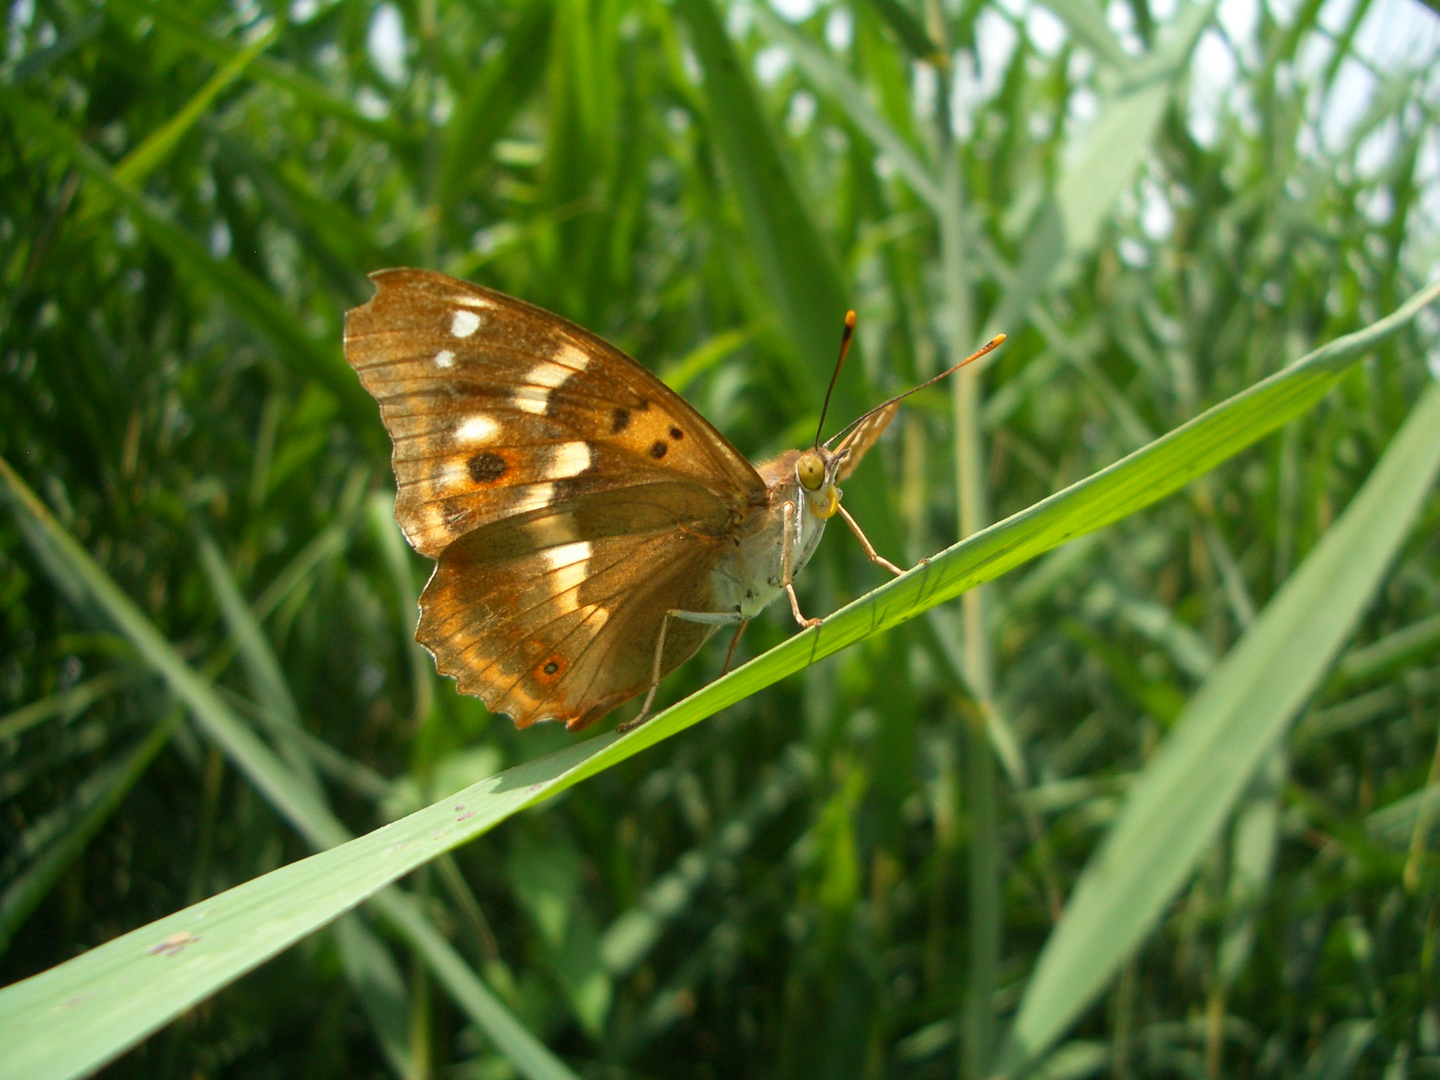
{"x":811,"y":470}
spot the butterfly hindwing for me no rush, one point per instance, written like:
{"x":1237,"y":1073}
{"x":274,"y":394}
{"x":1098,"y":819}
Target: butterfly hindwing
{"x":539,"y":614}
{"x":498,"y":408}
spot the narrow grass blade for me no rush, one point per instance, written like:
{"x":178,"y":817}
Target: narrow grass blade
{"x":831,"y":79}
{"x":628,"y":940}
{"x":1339,"y":1052}
{"x":68,"y":562}
{"x":799,"y":273}
{"x":21,"y":896}
{"x":1086,"y":23}
{"x":910,"y":32}
{"x":249,"y":296}
{"x":66,"y":703}
{"x":196,"y":37}
{"x":156,"y":147}
{"x":1178,"y":804}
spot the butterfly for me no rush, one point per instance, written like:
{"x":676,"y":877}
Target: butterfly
{"x":590,"y":529}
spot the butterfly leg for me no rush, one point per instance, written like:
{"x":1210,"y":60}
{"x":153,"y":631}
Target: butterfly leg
{"x":713,"y":618}
{"x":787,"y":567}
{"x":870,"y":551}
{"x":734,"y":641}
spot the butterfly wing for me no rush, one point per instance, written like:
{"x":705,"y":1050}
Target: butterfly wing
{"x":545,"y":616}
{"x":866,"y":434}
{"x":498,"y":408}
{"x":569,"y":497}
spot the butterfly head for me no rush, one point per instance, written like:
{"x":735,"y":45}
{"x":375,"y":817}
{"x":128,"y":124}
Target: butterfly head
{"x":818,"y":471}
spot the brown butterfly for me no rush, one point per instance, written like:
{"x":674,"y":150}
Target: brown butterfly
{"x":590,"y":529}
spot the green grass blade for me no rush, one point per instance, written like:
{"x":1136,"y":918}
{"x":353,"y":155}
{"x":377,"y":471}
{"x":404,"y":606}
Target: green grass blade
{"x":832,"y":80}
{"x":84,"y":581}
{"x":65,"y":703}
{"x":799,"y":274}
{"x":194,"y":36}
{"x":1086,"y":23}
{"x":910,"y":32}
{"x":295,"y":347}
{"x":106,"y":788}
{"x":158,"y":145}
{"x":1339,"y":1052}
{"x":1175,"y":809}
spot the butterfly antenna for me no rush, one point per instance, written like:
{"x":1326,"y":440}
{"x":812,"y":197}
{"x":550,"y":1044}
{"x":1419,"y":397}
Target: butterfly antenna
{"x":844,"y":349}
{"x":993,"y":343}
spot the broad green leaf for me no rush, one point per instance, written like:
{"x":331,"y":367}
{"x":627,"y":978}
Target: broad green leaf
{"x":1177,"y":806}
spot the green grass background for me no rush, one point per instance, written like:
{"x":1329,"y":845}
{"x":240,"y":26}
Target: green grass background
{"x":1157,"y":800}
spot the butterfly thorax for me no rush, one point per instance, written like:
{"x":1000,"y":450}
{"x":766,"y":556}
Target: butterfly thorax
{"x":752,"y":573}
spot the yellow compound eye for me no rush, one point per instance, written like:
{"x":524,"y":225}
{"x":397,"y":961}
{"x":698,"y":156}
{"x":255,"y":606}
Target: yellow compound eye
{"x":811,"y":470}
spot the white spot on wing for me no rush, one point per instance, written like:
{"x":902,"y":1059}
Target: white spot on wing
{"x":455,"y":473}
{"x":533,"y":497}
{"x":531,"y":399}
{"x":568,"y":459}
{"x":549,"y":374}
{"x":569,"y":565}
{"x":464,"y":323}
{"x":476,"y":429}
{"x":466,"y":300}
{"x":570,"y":356}
{"x":444,"y":358}
{"x":552,"y":531}
{"x":571,"y":554}
{"x":533,"y":395}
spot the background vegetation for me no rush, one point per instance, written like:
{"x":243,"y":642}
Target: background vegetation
{"x":854,"y":872}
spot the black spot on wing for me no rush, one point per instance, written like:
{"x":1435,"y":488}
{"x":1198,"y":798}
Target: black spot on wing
{"x":658,"y":449}
{"x":619,"y":421}
{"x":486,"y":467}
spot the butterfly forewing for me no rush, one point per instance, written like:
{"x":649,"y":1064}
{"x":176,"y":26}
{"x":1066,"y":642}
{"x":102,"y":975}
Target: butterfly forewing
{"x":866,"y":434}
{"x":498,"y":408}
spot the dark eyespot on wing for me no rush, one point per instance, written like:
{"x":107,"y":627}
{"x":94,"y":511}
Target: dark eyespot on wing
{"x":551,"y":668}
{"x":619,"y":421}
{"x":486,"y":467}
{"x":658,"y":449}
{"x":676,"y":434}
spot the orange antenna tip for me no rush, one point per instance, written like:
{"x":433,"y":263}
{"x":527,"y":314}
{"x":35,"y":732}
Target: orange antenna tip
{"x":845,"y":337}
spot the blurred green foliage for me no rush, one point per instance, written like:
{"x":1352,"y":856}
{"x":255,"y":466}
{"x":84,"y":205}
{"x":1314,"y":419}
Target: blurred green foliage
{"x":852,"y":873}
